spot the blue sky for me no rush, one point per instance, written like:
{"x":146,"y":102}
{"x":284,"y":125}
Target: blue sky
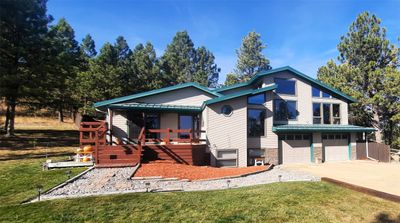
{"x":301,"y":34}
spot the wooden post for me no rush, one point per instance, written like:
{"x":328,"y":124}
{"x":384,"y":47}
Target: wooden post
{"x":190,"y":136}
{"x":97,"y":146}
{"x":168,"y":140}
{"x":110,"y":112}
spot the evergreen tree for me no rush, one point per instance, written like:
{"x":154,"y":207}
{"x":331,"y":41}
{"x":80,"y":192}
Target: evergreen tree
{"x":88,"y":47}
{"x":206,"y":71}
{"x":145,"y":72}
{"x":250,"y":58}
{"x":23,"y":26}
{"x":177,"y":63}
{"x":368,"y":56}
{"x":231,"y":79}
{"x":66,"y":62}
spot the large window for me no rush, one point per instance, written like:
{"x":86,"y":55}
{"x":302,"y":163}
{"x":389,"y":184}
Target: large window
{"x":317,"y":117}
{"x":325,"y":95}
{"x":327,"y":113}
{"x":285,"y":86}
{"x":257,"y":99}
{"x":336,"y":113}
{"x":316,"y":92}
{"x":285,"y":110}
{"x":255,"y":122}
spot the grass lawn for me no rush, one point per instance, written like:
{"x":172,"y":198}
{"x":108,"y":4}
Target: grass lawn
{"x":279,"y":202}
{"x":19,"y":179}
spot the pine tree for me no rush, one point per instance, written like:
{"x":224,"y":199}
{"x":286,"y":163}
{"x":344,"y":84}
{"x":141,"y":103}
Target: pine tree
{"x":231,"y":79}
{"x":88,"y":47}
{"x":250,"y":58}
{"x":66,"y":61}
{"x":177,"y":63}
{"x":23,"y":26}
{"x":368,"y":56}
{"x":206,"y":71}
{"x":145,"y":72}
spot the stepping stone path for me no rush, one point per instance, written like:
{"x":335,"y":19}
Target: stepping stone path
{"x":119,"y":180}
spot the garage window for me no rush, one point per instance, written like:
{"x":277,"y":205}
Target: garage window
{"x":289,"y":137}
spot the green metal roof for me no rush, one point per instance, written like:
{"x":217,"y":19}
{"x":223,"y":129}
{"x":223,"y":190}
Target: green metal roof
{"x":295,"y":72}
{"x":157,"y":91}
{"x":321,"y":128}
{"x":156,"y":107}
{"x":240,"y":93}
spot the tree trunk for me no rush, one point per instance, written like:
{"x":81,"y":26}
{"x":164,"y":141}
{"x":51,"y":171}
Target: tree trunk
{"x":11,"y":119}
{"x":60,"y":114}
{"x":376,"y":123}
{"x":7,"y":116}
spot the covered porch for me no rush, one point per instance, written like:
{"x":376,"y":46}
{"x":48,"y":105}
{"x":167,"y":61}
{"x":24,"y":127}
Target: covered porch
{"x":165,"y":132}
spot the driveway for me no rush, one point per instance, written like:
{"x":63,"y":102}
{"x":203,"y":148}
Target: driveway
{"x":379,"y":176}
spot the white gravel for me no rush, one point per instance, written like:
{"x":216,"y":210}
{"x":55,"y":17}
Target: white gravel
{"x":104,"y":181}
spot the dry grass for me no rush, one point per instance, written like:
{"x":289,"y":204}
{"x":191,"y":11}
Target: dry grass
{"x":39,"y":137}
{"x":41,"y":123}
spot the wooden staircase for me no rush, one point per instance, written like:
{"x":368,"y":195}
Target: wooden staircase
{"x":105,"y":153}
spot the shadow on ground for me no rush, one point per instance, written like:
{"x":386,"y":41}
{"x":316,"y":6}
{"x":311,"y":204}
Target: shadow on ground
{"x":26,"y":139}
{"x":385,"y":218}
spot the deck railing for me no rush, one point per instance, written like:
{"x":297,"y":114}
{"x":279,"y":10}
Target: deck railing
{"x":167,"y":139}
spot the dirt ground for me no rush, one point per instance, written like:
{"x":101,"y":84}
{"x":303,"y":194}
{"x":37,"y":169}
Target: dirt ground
{"x":379,"y":176}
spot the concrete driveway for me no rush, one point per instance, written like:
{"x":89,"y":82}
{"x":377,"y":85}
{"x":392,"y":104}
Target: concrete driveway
{"x":379,"y":176}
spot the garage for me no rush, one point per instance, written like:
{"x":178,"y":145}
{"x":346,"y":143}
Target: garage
{"x":295,"y":148}
{"x":335,"y":147}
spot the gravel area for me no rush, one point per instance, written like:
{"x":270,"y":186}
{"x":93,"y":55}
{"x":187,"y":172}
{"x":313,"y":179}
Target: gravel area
{"x":117,"y":180}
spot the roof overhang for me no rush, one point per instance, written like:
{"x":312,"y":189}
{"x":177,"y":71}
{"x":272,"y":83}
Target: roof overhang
{"x":240,"y":94}
{"x":299,"y":128}
{"x":156,"y":107}
{"x":295,"y":72}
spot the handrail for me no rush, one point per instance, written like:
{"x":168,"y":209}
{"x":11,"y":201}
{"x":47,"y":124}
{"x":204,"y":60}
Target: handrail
{"x":168,"y":139}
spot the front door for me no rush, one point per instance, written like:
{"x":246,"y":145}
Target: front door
{"x":152,"y":121}
{"x":185,"y":122}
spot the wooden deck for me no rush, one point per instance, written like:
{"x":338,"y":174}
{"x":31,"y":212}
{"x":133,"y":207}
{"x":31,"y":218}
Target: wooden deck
{"x":179,"y":150}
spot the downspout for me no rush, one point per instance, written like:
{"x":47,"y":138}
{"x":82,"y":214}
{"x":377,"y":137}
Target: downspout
{"x":366,"y":147}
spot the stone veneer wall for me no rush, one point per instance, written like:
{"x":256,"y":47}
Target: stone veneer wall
{"x":318,"y":154}
{"x":271,"y":156}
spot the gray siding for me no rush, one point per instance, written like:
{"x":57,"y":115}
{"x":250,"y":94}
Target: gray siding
{"x":120,"y":127}
{"x":228,"y":132}
{"x":185,"y":96}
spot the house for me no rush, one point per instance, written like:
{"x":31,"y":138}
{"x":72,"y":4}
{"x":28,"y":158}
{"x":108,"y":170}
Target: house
{"x":280,"y":116}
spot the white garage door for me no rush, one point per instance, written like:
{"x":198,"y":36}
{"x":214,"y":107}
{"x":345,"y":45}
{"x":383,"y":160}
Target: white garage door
{"x":296,"y":149}
{"x":336,"y":149}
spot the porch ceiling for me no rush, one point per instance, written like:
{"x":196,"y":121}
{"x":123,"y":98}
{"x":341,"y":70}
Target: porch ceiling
{"x":156,"y":107}
{"x":321,"y":128}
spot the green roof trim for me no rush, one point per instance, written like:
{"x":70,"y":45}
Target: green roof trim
{"x":156,"y":107}
{"x":157,"y":91}
{"x":240,"y":93}
{"x":294,"y":71}
{"x":320,"y":128}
